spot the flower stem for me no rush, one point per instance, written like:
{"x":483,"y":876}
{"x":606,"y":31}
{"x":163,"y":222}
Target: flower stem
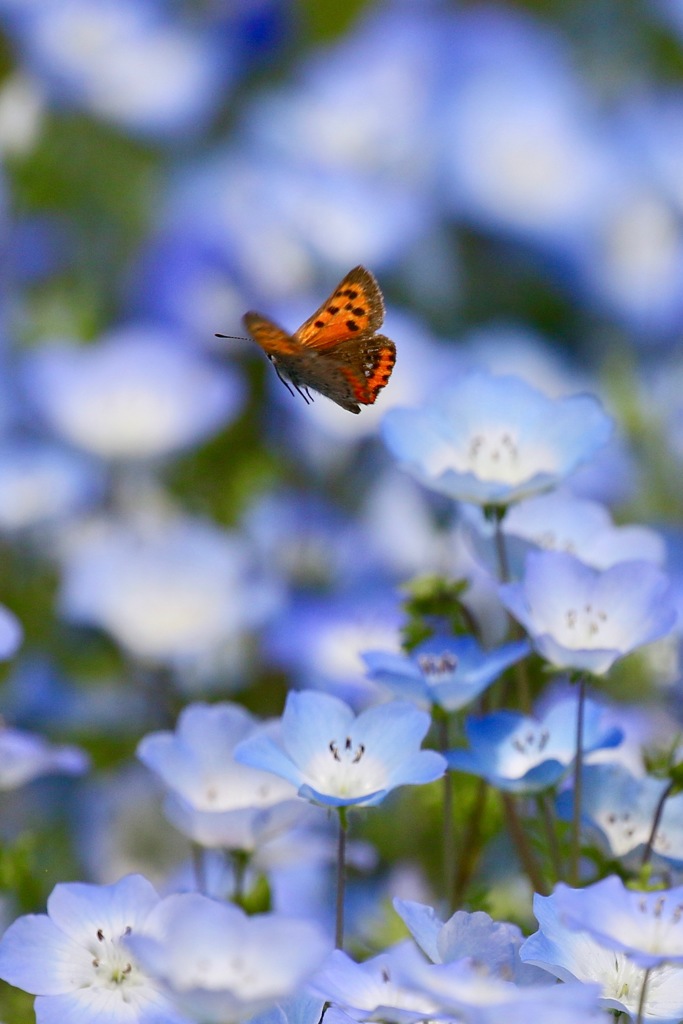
{"x":547,"y":812}
{"x":341,"y":878}
{"x":448,"y":830}
{"x":578,"y":783}
{"x":647,"y":853}
{"x":643,"y":992}
{"x":469,"y":845}
{"x":515,"y":630}
{"x":524,"y":850}
{"x":198,"y":866}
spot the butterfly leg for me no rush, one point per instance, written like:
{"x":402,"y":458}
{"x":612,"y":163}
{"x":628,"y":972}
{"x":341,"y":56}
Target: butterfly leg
{"x":287,"y":383}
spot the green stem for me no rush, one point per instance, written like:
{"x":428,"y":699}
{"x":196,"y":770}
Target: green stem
{"x":240,"y":862}
{"x":547,"y":813}
{"x":448,"y":829}
{"x":647,"y":853}
{"x":643,"y":993}
{"x":469,"y":845}
{"x":199,"y":866}
{"x":578,"y":784}
{"x":524,"y":852}
{"x":516,"y":631}
{"x":341,"y":878}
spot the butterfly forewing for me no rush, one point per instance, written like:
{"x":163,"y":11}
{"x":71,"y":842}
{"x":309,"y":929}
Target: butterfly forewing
{"x":354,"y":309}
{"x":336,"y":351}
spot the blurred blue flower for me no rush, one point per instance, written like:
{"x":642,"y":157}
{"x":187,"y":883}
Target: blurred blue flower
{"x":217,"y":964}
{"x":25,"y":756}
{"x":11,"y":633}
{"x":520,"y":754}
{"x":493,"y":440}
{"x":137,"y":394}
{"x":514,"y":93}
{"x":213,"y":800}
{"x":318,"y":639}
{"x":464,"y":991}
{"x":646,"y":926}
{"x":578,"y":956}
{"x":621,"y":808}
{"x":585,"y":619}
{"x":84,"y":971}
{"x":339,"y":760}
{"x":448,"y":672}
{"x":491,"y":945}
{"x":41,"y":483}
{"x":170,"y":591}
{"x":369,"y":991}
{"x":127,"y":61}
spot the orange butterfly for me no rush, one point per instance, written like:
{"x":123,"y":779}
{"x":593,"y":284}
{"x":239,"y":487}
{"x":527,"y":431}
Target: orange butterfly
{"x":336,"y":352}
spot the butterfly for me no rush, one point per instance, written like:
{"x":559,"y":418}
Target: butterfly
{"x":336,"y":352}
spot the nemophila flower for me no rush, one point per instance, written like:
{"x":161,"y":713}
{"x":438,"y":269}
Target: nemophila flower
{"x":577,"y":956}
{"x":470,"y":992}
{"x":520,"y":754}
{"x":585,"y":619}
{"x":41,"y":483}
{"x":317,"y":639}
{"x":183,"y":591}
{"x":494,"y":440}
{"x":124,"y":61}
{"x":75,"y":958}
{"x":516,"y":93}
{"x":562,"y":522}
{"x":25,"y":756}
{"x":139,"y":393}
{"x":300,"y":1009}
{"x":340,"y":760}
{"x":647,"y":926}
{"x":213,"y":799}
{"x":369,"y":990}
{"x":492,"y":945}
{"x":621,"y":809}
{"x":11,"y":633}
{"x":220,"y":966}
{"x":448,"y":672}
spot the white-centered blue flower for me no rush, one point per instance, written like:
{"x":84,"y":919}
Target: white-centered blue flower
{"x":647,"y":926}
{"x":494,"y":440}
{"x":336,"y":758}
{"x":621,"y":809}
{"x":25,"y":756}
{"x":221,"y":966}
{"x":213,"y":799}
{"x":75,"y":959}
{"x":449,"y":672}
{"x":585,"y":619}
{"x":41,"y":483}
{"x":139,"y":393}
{"x":491,"y":945}
{"x":572,"y":955}
{"x":521,"y":754}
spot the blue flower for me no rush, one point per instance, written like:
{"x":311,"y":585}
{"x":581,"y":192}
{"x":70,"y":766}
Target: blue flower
{"x":493,"y":440}
{"x":449,"y":672}
{"x":572,"y":955}
{"x":520,"y":754}
{"x":137,"y":394}
{"x":340,"y":760}
{"x":84,"y":971}
{"x":621,"y":808}
{"x":646,"y":926}
{"x":183,"y":592}
{"x":217,"y":964}
{"x":42,"y":483}
{"x":212,"y":799}
{"x":25,"y":756}
{"x":584,"y":619}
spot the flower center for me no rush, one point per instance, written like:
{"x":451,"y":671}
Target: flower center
{"x":583,"y":626}
{"x":111,"y":960}
{"x":437,"y":667}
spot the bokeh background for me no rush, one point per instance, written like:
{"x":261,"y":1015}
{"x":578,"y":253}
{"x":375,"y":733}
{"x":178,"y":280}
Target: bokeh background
{"x":174,"y":526}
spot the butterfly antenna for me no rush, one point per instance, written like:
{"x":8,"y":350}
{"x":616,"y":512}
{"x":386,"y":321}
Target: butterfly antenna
{"x":232,"y":337}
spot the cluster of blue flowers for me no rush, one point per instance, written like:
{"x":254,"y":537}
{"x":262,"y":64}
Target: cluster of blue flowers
{"x":341,"y":718}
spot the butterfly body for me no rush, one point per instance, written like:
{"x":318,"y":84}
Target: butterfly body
{"x":337,"y":351}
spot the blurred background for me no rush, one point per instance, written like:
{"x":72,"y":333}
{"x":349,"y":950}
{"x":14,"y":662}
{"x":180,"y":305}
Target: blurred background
{"x":174,"y":526}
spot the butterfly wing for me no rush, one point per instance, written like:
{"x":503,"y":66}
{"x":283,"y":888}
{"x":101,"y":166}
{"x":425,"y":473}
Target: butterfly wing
{"x":272,"y":339}
{"x":354,"y":309}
